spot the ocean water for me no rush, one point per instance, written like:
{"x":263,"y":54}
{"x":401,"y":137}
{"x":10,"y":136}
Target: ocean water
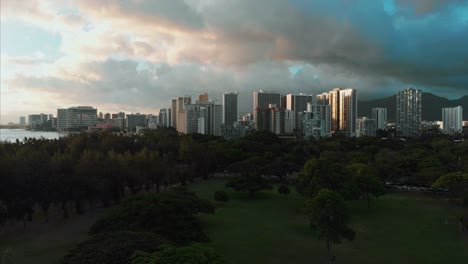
{"x":13,"y":134}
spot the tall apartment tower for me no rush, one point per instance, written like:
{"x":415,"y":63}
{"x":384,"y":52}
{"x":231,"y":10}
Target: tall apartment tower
{"x":262,"y":101}
{"x":452,"y":119}
{"x":408,"y":112}
{"x":343,"y":107}
{"x":180,"y":103}
{"x":164,"y":118}
{"x":173,"y":122}
{"x":380,"y":117}
{"x":298,"y":104}
{"x":230,"y":109}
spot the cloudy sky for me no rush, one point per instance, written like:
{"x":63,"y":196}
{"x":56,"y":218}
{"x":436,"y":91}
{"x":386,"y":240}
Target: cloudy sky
{"x":135,"y":55}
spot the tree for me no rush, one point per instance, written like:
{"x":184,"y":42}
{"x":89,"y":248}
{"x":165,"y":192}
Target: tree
{"x":251,"y":183}
{"x":112,"y":248}
{"x":192,"y":254}
{"x":366,"y":181}
{"x":322,"y":174}
{"x":171,"y":214}
{"x":329,"y":217}
{"x":456,"y":182}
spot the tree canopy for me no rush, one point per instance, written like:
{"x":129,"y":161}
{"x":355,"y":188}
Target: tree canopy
{"x":192,"y":254}
{"x":170,"y":214}
{"x":329,"y":217}
{"x":250,"y":183}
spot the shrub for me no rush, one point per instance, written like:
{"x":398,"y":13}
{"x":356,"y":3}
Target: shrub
{"x":112,"y":248}
{"x":283,"y":189}
{"x":221,"y":196}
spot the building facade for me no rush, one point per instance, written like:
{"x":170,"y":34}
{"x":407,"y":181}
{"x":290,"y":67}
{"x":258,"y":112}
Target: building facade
{"x":366,"y":127}
{"x":408,"y":112}
{"x":298,"y":104}
{"x":165,"y":117}
{"x":230,"y":108}
{"x":261,"y":103}
{"x":135,"y":120}
{"x":76,"y":118}
{"x":380,"y":117}
{"x":452,"y":120}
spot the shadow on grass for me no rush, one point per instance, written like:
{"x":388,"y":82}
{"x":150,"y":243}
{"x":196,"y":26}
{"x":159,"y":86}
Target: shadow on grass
{"x":255,"y":196}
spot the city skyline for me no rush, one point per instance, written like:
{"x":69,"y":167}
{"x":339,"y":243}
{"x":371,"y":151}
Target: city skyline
{"x":135,"y":58}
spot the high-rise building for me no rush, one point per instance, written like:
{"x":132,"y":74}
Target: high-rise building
{"x":121,"y":115}
{"x":165,"y":117}
{"x":107,"y":116}
{"x":408,"y":112}
{"x":298,"y":104}
{"x":62,"y":119}
{"x":380,"y":116}
{"x":262,"y":101}
{"x":203,"y":97}
{"x":366,"y":127}
{"x":75,"y":118}
{"x":323,"y":99}
{"x":348,"y":111}
{"x":101,"y":115}
{"x":174,"y":113}
{"x":202,"y":117}
{"x":230,"y":108}
{"x":452,"y":119}
{"x":134,"y":121}
{"x":316,"y":121}
{"x":38,"y":119}
{"x":343,"y":107}
{"x":179,"y":112}
{"x":22,"y":120}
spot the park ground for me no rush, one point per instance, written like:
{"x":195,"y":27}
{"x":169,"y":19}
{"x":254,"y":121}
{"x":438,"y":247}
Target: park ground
{"x":270,"y":228}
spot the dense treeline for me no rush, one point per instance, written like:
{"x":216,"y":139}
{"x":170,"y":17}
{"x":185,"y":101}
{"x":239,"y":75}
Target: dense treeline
{"x":83,"y":170}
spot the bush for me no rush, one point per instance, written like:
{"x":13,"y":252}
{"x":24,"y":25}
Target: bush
{"x":112,"y":248}
{"x":283,"y":189}
{"x":221,"y":196}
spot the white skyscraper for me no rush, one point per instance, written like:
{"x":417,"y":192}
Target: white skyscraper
{"x":452,"y":119}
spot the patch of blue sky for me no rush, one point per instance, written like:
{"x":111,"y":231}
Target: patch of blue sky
{"x":20,"y":39}
{"x":389,"y":7}
{"x":294,"y":70}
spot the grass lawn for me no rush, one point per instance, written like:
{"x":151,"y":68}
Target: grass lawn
{"x":46,"y":243}
{"x":398,"y":228}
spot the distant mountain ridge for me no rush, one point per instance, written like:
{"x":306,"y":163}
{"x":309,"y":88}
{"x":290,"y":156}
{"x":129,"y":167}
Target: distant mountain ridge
{"x":431,"y":106}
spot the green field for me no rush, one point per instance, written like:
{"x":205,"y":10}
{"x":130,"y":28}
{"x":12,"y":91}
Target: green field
{"x":46,"y":243}
{"x":399,"y":228}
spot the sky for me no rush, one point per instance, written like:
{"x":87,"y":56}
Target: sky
{"x":135,"y":55}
